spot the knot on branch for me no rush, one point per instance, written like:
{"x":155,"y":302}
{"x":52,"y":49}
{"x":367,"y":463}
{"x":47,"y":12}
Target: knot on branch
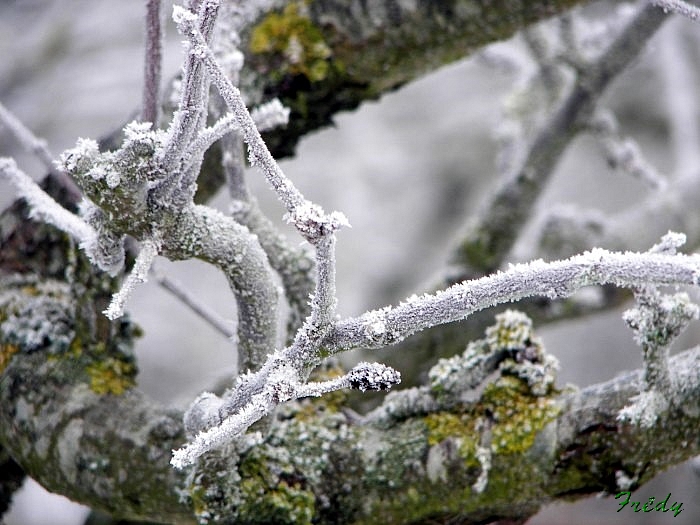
{"x":118,"y":182}
{"x":376,"y":329}
{"x":204,"y":413}
{"x":313,"y":223}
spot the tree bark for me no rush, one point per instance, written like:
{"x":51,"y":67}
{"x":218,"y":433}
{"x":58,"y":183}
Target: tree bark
{"x":71,"y":417}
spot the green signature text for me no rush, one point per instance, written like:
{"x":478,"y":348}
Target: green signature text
{"x":661,"y":506}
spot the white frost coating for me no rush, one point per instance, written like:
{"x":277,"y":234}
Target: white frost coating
{"x":113,"y":179}
{"x":679,"y":7}
{"x":483,"y":454}
{"x":139,"y":274}
{"x":669,"y":243}
{"x":231,"y":428}
{"x":270,"y":115}
{"x":44,"y":207}
{"x":623,"y":153}
{"x":281,"y":384}
{"x":373,"y":376}
{"x":258,"y":153}
{"x":657,"y":320}
{"x":136,"y":131}
{"x":183,"y":16}
{"x":645,"y":409}
{"x":375,"y":325}
{"x":203,"y":413}
{"x":557,"y":279}
{"x":80,"y":157}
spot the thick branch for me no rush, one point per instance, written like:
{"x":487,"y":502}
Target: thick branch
{"x":495,"y":230}
{"x":418,"y":461}
{"x":424,"y":466}
{"x":358,"y":50}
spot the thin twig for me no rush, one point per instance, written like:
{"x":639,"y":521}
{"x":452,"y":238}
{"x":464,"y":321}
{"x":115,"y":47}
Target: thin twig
{"x":495,"y":230}
{"x":43,"y":206}
{"x":38,"y":147}
{"x":202,"y":310}
{"x":679,"y":7}
{"x":150,"y":106}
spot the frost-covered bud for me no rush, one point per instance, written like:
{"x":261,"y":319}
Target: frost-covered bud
{"x":311,"y":221}
{"x":81,"y":158}
{"x":204,"y":413}
{"x":373,"y":376}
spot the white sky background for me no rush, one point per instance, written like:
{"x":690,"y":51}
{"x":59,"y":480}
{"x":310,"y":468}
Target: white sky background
{"x":403,"y":170}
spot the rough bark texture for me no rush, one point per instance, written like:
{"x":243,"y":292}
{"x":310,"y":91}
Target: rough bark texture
{"x":71,"y":417}
{"x":358,"y":50}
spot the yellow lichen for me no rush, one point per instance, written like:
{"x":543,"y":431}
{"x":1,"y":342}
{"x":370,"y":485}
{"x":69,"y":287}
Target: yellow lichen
{"x":517,"y":415}
{"x":462,"y":427}
{"x":292,"y":43}
{"x":513,"y":414}
{"x":111,"y":376}
{"x":6,"y":353}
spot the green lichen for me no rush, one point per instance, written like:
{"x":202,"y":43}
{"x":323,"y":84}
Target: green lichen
{"x":39,"y":317}
{"x":266,"y":487}
{"x":273,"y":497}
{"x":291,"y":43}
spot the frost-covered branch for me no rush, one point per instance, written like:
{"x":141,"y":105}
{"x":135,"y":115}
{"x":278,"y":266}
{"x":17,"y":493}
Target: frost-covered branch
{"x":294,"y":264}
{"x":317,"y":463}
{"x":623,"y":153}
{"x":555,"y":280}
{"x":150,"y":105}
{"x":657,"y":320}
{"x":38,"y":147}
{"x":191,"y":114}
{"x":43,"y":206}
{"x":278,"y":380}
{"x":139,"y":274}
{"x":493,"y":232}
{"x":282,"y":385}
{"x":27,"y":139}
{"x":333,"y":456}
{"x":679,"y":7}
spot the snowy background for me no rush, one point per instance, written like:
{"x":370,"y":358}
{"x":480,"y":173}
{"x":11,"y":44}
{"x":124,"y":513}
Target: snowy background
{"x":405,"y":170}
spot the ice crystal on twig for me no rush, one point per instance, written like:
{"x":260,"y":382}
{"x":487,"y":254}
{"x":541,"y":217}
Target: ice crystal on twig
{"x":373,"y":376}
